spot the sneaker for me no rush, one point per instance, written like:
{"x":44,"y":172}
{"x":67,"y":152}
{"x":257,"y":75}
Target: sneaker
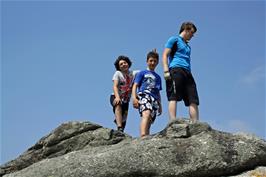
{"x":120,"y":129}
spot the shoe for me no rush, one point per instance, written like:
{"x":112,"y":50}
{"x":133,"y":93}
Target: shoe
{"x":120,"y":129}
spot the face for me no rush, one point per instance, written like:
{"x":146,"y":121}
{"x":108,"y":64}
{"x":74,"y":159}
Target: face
{"x":152,"y":63}
{"x":123,"y":65}
{"x":189,"y":34}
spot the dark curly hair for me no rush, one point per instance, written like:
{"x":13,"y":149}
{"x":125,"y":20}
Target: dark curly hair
{"x":122,"y":57}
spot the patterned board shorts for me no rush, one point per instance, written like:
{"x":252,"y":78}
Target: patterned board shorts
{"x":147,"y":102}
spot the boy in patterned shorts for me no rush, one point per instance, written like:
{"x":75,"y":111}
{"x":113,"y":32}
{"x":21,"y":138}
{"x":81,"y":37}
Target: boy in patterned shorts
{"x":146,"y":93}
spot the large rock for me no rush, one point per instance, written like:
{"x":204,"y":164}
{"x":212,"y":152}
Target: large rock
{"x":68,"y":137}
{"x":258,"y":172}
{"x":181,"y":149}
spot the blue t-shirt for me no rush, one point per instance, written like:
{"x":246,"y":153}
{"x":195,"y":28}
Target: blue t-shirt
{"x":149,"y":82}
{"x":181,"y":57}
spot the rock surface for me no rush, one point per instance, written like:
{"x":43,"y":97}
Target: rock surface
{"x":83,"y":149}
{"x":258,"y":172}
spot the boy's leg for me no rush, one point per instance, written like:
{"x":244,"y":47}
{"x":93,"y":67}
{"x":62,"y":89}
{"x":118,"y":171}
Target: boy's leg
{"x":118,"y":116}
{"x":175,"y":91}
{"x":191,"y":98}
{"x":172,"y":110}
{"x":124,"y":125}
{"x":145,"y":123}
{"x":194,"y":112}
{"x":124,"y":111}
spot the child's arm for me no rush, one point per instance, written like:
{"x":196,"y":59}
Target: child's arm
{"x":134,"y":96}
{"x":166,"y":52}
{"x":117,"y":99}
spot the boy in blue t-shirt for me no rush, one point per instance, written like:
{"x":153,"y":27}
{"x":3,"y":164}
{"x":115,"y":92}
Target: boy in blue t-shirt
{"x":148,"y":98}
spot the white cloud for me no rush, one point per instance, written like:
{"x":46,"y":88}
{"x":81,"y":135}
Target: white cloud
{"x":254,"y":76}
{"x":238,"y":126}
{"x":232,"y":126}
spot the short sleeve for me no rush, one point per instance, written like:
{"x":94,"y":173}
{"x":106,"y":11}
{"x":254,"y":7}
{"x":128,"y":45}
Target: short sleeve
{"x":169,"y":44}
{"x":135,"y":72}
{"x":138,"y":77}
{"x":116,"y":75}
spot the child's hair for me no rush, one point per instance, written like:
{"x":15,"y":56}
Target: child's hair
{"x":153,"y":54}
{"x":122,"y":57}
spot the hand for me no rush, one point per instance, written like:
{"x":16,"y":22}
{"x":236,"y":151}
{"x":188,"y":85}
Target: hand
{"x":136,"y":103}
{"x":117,"y":101}
{"x":167,"y":75}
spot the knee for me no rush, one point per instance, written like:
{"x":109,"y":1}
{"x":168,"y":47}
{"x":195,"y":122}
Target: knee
{"x":193,"y":105}
{"x":146,"y":114}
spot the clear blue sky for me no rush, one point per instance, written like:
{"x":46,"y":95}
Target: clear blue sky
{"x":57,"y":63}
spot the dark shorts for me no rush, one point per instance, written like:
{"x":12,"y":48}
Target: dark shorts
{"x":182,"y":86}
{"x":124,"y":107}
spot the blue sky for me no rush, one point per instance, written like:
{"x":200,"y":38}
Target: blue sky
{"x":57,"y":63}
